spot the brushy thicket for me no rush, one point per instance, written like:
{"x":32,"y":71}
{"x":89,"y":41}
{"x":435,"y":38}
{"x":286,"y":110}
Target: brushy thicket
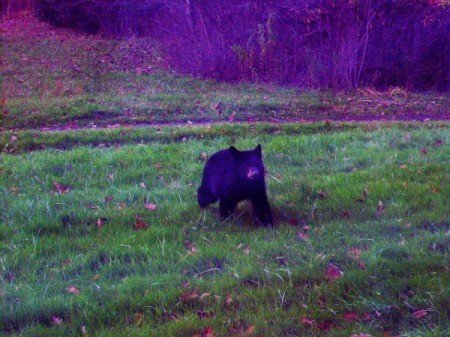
{"x":314,"y":43}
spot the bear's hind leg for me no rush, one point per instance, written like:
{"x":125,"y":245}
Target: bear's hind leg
{"x":205,"y":197}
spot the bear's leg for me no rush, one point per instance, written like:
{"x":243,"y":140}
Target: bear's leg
{"x":262,"y":211}
{"x":205,"y":197}
{"x":227,"y":207}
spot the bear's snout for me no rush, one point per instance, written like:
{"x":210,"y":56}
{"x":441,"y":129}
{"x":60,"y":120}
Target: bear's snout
{"x":252,"y":173}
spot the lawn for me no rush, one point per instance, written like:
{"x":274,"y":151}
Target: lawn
{"x":110,"y":239}
{"x":101,"y":234}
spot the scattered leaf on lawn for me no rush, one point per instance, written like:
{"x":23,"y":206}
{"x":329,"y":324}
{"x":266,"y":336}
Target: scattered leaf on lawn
{"x":143,"y":185}
{"x":83,"y":330}
{"x":424,"y":151}
{"x":307,"y":321}
{"x":420,"y":313}
{"x":158,"y":165}
{"x":302,"y":236}
{"x":59,"y":188}
{"x":121,"y":206}
{"x":57,"y":320}
{"x":407,"y":137}
{"x":346,"y":213}
{"x":138,"y":319}
{"x":109,"y":199}
{"x":354,"y":253}
{"x":439,"y":142}
{"x":204,"y":156}
{"x":140,"y":225}
{"x":208,"y":332}
{"x":204,"y":295}
{"x":150,"y":206}
{"x":228,"y":301}
{"x":188,"y":296}
{"x":101,"y":222}
{"x":247,"y":250}
{"x":380,"y":207}
{"x":72,"y":290}
{"x":111,"y":176}
{"x":332,"y":272}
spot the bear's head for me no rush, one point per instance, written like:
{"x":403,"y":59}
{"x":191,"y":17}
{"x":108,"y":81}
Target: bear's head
{"x":249,"y":163}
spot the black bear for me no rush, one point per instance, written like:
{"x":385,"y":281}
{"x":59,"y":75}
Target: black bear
{"x":231,"y":176}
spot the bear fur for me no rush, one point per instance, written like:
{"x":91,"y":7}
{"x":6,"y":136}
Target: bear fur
{"x":231,"y":176}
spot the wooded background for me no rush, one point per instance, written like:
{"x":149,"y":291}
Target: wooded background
{"x":338,"y":44}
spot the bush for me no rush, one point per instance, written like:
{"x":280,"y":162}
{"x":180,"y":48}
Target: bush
{"x":314,"y":43}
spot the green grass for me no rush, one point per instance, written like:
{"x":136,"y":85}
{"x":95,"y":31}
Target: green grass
{"x":137,"y":282}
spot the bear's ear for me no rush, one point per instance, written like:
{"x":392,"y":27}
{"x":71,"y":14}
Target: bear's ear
{"x":258,"y":150}
{"x":234,"y":152}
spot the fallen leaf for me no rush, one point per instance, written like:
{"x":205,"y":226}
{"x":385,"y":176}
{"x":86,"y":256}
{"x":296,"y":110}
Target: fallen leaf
{"x":111,"y":176}
{"x":143,"y":185}
{"x":121,"y":206}
{"x":83,"y":330}
{"x":420,"y":313}
{"x":354,"y":253}
{"x":361,"y":335}
{"x":228,"y":301}
{"x":100,"y":222}
{"x":380,"y":207}
{"x":208,"y":332}
{"x":439,"y":142}
{"x":247,"y":250}
{"x":150,"y":206}
{"x":158,"y":165}
{"x":204,"y":156}
{"x":307,"y":321}
{"x":59,"y":188}
{"x":302,"y":236}
{"x":424,"y":151}
{"x":365,"y":193}
{"x":108,"y":199}
{"x":204,"y":295}
{"x":346,"y":213}
{"x":72,"y":290}
{"x":57,"y":320}
{"x":305,"y":228}
{"x":138,"y":318}
{"x":188,"y":296}
{"x":332,"y":272}
{"x":407,"y":137}
{"x":140,"y":225}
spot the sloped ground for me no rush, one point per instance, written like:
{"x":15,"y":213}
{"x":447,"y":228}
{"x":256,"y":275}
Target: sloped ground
{"x":56,"y":78}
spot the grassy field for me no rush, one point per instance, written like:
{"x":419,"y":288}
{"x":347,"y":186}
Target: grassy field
{"x":361,"y":244}
{"x":101,"y":234}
